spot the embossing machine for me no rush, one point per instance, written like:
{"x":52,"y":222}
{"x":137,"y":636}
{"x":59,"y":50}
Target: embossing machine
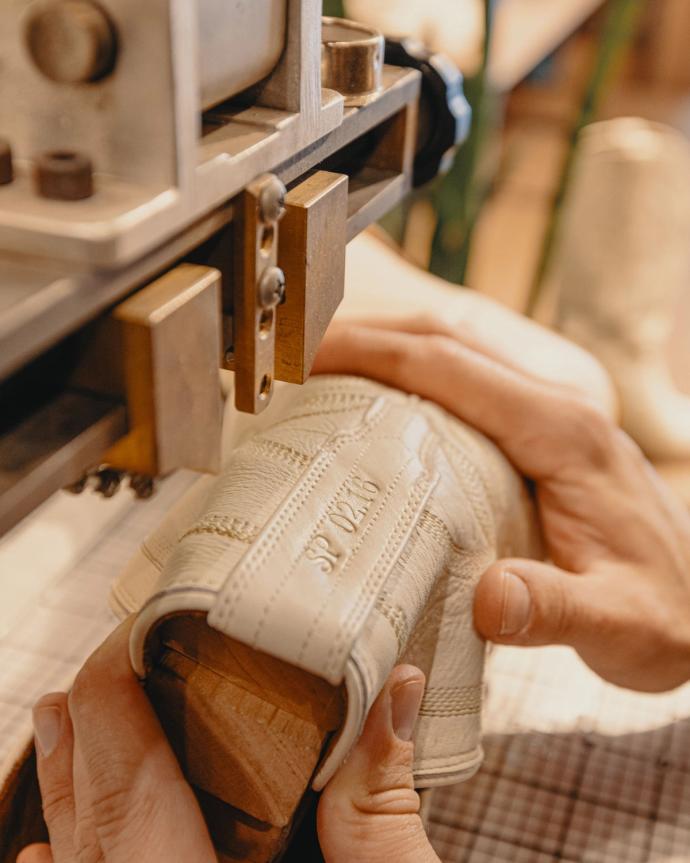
{"x":178,"y":183}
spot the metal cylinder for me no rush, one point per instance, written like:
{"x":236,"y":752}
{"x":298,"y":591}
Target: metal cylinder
{"x":241,"y":42}
{"x":352,"y":60}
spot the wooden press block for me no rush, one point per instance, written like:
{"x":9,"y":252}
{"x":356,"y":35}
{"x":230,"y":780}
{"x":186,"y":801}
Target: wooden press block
{"x":311,"y":253}
{"x":249,"y":731}
{"x":170,"y":344}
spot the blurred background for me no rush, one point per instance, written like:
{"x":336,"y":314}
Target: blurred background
{"x":589,"y":232}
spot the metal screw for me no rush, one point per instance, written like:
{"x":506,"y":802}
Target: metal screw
{"x":79,"y":486}
{"x":142,"y":485}
{"x":272,"y":287}
{"x":108,"y":481}
{"x":64,"y":176}
{"x":6,"y":170}
{"x":272,"y":200}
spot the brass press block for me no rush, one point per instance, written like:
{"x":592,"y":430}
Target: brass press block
{"x":170,"y":338}
{"x":311,"y":253}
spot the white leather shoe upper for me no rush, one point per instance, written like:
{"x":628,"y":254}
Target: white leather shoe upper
{"x":348,"y":536}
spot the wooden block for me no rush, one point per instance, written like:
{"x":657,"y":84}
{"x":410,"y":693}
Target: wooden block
{"x":248,"y":729}
{"x":170,"y":339}
{"x":311,"y":253}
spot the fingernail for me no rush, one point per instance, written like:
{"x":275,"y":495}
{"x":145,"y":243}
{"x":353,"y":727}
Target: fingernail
{"x":406,"y":699}
{"x":517,"y":604}
{"x":47,"y":727}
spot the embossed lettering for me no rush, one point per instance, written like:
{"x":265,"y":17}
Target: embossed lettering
{"x":362,"y":488}
{"x":321,"y":552}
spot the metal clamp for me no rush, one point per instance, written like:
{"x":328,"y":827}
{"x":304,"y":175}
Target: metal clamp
{"x":259,"y":289}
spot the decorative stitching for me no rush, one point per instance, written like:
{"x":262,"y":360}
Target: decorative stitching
{"x":287,"y":575}
{"x":438,"y":530}
{"x":345,"y":568}
{"x":222,"y":612}
{"x":230,"y":528}
{"x":149,"y":555}
{"x":272,"y":448}
{"x":444,"y":701}
{"x":419,"y":494}
{"x":397,"y":619}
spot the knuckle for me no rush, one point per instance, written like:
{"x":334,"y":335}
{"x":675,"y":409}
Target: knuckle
{"x":441,"y":346}
{"x":57,"y":800}
{"x":119,"y":819}
{"x":86,"y":847}
{"x":82,"y":690}
{"x":431,"y":323}
{"x":589,"y":435}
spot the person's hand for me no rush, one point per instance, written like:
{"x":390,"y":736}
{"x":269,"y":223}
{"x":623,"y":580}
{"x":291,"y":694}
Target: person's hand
{"x":112,"y":789}
{"x":369,"y":811}
{"x":618,"y":587}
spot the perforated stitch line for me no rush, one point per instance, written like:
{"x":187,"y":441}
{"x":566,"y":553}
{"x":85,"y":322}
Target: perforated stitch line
{"x":475,"y":489}
{"x":318,"y":527}
{"x":378,"y":572}
{"x":222,"y":611}
{"x":422,"y":488}
{"x":345,"y":568}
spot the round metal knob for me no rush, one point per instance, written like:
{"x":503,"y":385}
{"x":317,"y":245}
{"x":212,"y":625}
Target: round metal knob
{"x":71,"y":41}
{"x":444,"y":113}
{"x":351,"y":60}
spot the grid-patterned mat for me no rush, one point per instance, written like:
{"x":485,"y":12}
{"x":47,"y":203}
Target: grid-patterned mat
{"x":575,"y":770}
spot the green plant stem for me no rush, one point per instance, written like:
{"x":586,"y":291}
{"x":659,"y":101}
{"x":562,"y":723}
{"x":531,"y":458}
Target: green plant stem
{"x":619,"y":29}
{"x":459,"y":196}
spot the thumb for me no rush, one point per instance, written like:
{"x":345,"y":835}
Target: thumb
{"x":369,"y":811}
{"x":529,"y":603}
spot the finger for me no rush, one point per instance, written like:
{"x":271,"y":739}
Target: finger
{"x":137,"y":796}
{"x":370,"y":810}
{"x":36,"y":854}
{"x":54,"y":753}
{"x":529,"y":603}
{"x":517,"y":343}
{"x":86,"y":839}
{"x":540,"y":427}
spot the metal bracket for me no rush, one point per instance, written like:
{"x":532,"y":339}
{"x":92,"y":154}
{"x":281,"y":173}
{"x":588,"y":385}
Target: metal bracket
{"x":258,"y":290}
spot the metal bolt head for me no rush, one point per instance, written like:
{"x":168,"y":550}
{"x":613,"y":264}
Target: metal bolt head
{"x":6,"y":169}
{"x":64,"y":176}
{"x":143,"y":486}
{"x":71,"y":41}
{"x":108,"y":481}
{"x":272,"y":288}
{"x":272,"y":200}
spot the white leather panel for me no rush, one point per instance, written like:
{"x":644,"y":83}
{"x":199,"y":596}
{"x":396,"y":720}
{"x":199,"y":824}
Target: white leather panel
{"x":305,"y":587}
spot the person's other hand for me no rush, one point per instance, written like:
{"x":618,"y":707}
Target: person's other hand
{"x":369,"y":811}
{"x":618,"y":587}
{"x":111,"y":787}
{"x":112,"y":790}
